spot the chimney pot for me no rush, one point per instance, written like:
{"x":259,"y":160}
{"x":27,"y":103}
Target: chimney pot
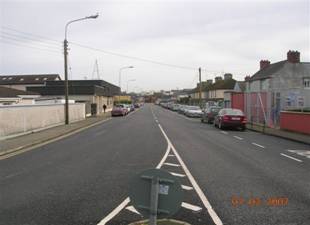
{"x":293,"y":56}
{"x":228,"y":76}
{"x":218,"y":78}
{"x":264,"y":63}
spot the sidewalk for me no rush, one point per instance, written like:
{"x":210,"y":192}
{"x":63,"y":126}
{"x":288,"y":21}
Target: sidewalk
{"x":303,"y":138}
{"x":28,"y":140}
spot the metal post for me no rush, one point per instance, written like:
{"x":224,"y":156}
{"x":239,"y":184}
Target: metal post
{"x":154,"y":201}
{"x":66,"y":82}
{"x":200,"y":87}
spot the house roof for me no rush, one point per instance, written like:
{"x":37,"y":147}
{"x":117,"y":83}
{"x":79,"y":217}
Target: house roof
{"x":6,"y":92}
{"x":223,"y":84}
{"x":241,"y":85}
{"x":268,"y":71}
{"x":27,"y":79}
{"x":78,"y":87}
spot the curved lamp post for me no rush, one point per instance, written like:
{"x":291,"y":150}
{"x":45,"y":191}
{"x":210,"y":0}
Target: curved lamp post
{"x":66,"y":64}
{"x":120,"y":75}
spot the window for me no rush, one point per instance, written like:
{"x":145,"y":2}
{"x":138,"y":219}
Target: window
{"x":4,"y":78}
{"x":21,"y":79}
{"x":306,"y":82}
{"x":37,"y":78}
{"x":45,"y":78}
{"x":10,"y":78}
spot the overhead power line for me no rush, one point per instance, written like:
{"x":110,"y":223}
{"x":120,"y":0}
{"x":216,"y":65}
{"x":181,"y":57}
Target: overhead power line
{"x":48,"y":41}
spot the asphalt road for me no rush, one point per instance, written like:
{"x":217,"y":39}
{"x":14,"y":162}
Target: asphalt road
{"x":229,"y":177}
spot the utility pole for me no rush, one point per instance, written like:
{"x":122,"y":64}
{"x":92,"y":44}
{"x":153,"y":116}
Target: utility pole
{"x":200,"y":87}
{"x":66,"y":82}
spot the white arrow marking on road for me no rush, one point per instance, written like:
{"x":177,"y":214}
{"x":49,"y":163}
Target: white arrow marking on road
{"x":239,"y":138}
{"x":132,"y":209}
{"x":191,"y":207}
{"x":171,"y":155}
{"x":172,"y":164}
{"x":177,"y":174}
{"x":258,"y":145}
{"x":224,"y":132}
{"x":290,"y":157}
{"x":187,"y":188}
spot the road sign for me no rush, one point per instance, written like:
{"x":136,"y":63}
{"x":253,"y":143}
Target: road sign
{"x":156,"y":193}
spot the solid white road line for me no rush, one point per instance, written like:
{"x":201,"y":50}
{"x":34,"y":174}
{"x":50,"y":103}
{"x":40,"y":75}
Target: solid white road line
{"x":198,"y":190}
{"x":132,"y":209}
{"x":187,"y":188}
{"x":191,"y":207}
{"x":114,"y":212}
{"x":177,"y":174}
{"x":290,"y":157}
{"x":224,"y":132}
{"x":253,"y":143}
{"x":239,"y":138}
{"x":172,"y":164}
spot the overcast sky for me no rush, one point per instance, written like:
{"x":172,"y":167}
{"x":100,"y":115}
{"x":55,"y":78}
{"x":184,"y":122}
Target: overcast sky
{"x":219,"y":36}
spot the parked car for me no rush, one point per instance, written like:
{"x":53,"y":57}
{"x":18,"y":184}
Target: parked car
{"x":233,"y":118}
{"x":128,"y":107}
{"x":209,"y":114}
{"x":193,"y":111}
{"x":119,"y":110}
{"x":132,"y":108}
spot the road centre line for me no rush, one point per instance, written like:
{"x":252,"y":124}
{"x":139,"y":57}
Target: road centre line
{"x":290,"y":157}
{"x":191,"y":207}
{"x":239,"y":138}
{"x":198,"y":190}
{"x":258,"y":145}
{"x":172,"y":164}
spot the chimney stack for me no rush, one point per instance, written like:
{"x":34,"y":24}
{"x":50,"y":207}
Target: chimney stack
{"x":247,"y":78}
{"x":218,"y":78}
{"x":228,"y":76}
{"x":293,"y":56}
{"x":264,"y":63}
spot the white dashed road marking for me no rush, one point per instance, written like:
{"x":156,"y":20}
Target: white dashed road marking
{"x":172,"y":164}
{"x":191,"y":207}
{"x":253,"y":143}
{"x":132,"y":209}
{"x":239,"y":138}
{"x":224,"y":132}
{"x":177,"y":174}
{"x":187,"y":188}
{"x":290,"y":157}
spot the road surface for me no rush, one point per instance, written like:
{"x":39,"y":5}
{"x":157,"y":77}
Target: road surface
{"x":228,"y":177}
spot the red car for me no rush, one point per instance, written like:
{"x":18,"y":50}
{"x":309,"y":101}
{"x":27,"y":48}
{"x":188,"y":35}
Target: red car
{"x":228,"y":117}
{"x":119,"y":110}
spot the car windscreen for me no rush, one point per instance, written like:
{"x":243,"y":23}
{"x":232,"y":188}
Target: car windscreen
{"x":233,"y":112}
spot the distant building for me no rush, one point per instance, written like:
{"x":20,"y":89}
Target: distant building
{"x":94,"y":93}
{"x":21,"y":82}
{"x":10,"y":96}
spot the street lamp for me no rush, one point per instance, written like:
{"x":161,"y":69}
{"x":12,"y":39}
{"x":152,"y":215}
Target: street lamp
{"x":66,"y":64}
{"x":128,"y":83}
{"x":120,"y":75}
